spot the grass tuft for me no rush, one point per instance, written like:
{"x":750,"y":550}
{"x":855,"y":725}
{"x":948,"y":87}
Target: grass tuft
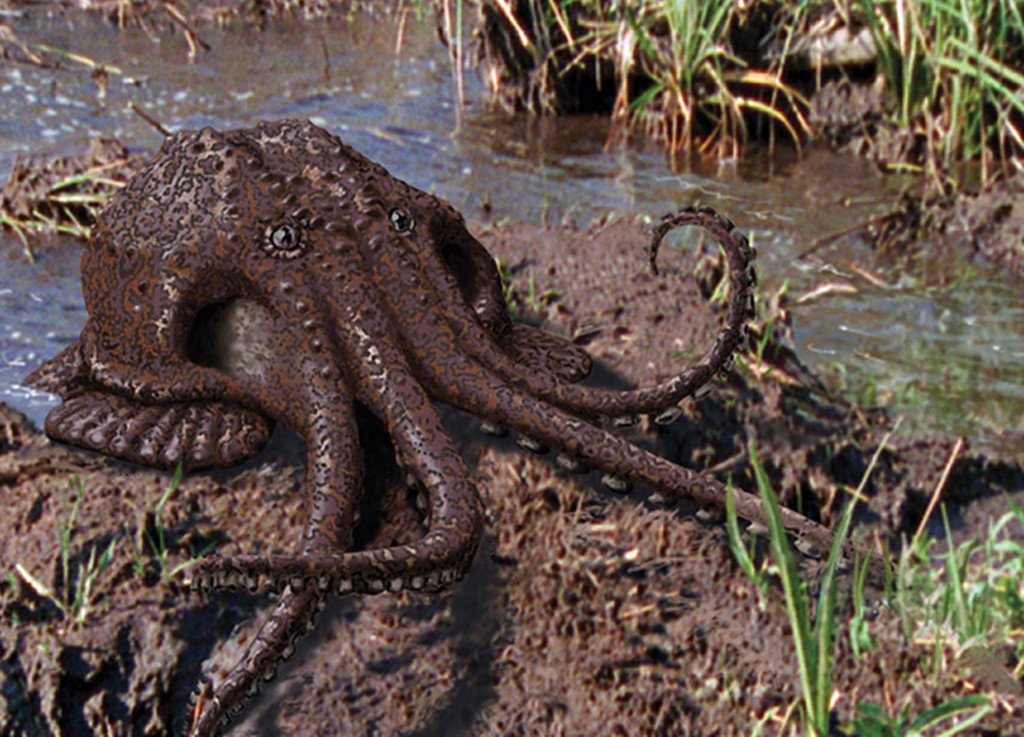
{"x":154,"y":542}
{"x":814,"y":641}
{"x":532,"y":301}
{"x":696,"y":75}
{"x":969,"y":609}
{"x":668,"y":68}
{"x":951,"y":72}
{"x":74,"y":594}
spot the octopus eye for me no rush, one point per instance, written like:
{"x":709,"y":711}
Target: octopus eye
{"x":283,"y":240}
{"x":402,"y":220}
{"x":284,"y":237}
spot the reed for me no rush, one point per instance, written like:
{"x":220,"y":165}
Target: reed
{"x":951,"y":70}
{"x":699,"y":76}
{"x":667,"y":68}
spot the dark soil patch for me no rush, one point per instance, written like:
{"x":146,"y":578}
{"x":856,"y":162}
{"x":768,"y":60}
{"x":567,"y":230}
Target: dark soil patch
{"x":586,"y":612}
{"x":989,"y":222}
{"x":934,"y":236}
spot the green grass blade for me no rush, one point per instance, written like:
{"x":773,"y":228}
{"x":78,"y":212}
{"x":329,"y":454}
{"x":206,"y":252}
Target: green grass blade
{"x":956,"y":584}
{"x":825,"y":624}
{"x":743,"y":557}
{"x":796,"y":597}
{"x":977,"y":703}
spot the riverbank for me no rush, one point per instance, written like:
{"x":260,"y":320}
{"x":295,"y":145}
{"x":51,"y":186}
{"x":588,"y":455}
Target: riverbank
{"x":584,"y":611}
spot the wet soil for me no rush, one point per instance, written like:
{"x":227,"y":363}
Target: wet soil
{"x":989,"y":222}
{"x":586,"y":612}
{"x":936,"y":226}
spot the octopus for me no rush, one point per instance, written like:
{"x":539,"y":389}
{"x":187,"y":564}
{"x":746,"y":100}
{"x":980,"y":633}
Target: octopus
{"x":275,"y":275}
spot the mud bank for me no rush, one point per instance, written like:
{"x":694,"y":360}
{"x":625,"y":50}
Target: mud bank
{"x":989,"y":223}
{"x":587,"y":612}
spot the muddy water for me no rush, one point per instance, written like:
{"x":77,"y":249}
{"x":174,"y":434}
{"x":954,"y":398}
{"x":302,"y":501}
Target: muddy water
{"x":949,"y":358}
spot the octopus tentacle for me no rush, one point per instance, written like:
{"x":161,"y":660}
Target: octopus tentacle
{"x":487,"y":396}
{"x":538,"y":351}
{"x":293,"y":616}
{"x":433,"y":562}
{"x":195,"y":435}
{"x":438,"y":559}
{"x":186,"y":379}
{"x":444,"y":553}
{"x":63,"y":374}
{"x":378,"y":376}
{"x":334,"y":490}
{"x":481,"y":345}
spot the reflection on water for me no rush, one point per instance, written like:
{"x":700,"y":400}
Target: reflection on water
{"x":957,"y":352}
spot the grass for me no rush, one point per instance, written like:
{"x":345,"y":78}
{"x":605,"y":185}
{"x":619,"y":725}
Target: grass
{"x":953,"y":80}
{"x":21,"y":230}
{"x":697,"y":74}
{"x":152,"y":549}
{"x":972,"y":603}
{"x":814,"y":641}
{"x":873,"y":721}
{"x":68,"y":205}
{"x":665,"y":67}
{"x":74,"y":593}
{"x":974,"y":600}
{"x":694,"y":74}
{"x":532,"y":301}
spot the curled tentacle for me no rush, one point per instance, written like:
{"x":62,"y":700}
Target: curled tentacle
{"x":334,"y":492}
{"x":487,"y":396}
{"x":441,"y":557}
{"x":478,"y":343}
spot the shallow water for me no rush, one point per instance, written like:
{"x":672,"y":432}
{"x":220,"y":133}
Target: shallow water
{"x":951,"y":358}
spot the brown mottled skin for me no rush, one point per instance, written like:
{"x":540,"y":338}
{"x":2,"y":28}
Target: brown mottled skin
{"x":275,"y":274}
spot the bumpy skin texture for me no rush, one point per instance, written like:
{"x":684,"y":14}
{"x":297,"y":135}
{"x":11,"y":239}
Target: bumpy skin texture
{"x":275,"y":274}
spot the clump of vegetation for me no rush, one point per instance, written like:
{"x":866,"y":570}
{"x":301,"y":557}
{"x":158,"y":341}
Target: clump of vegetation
{"x":945,"y":76}
{"x":971,"y":605}
{"x":63,"y":194}
{"x":966,"y":604}
{"x":74,"y":592}
{"x":152,"y":546}
{"x":532,"y":302}
{"x":669,"y":68}
{"x":814,"y":640}
{"x":953,"y":81}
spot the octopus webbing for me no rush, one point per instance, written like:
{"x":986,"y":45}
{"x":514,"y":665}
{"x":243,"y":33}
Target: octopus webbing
{"x":274,"y":274}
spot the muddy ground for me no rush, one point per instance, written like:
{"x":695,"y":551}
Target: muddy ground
{"x":586,"y":612}
{"x":989,"y":222}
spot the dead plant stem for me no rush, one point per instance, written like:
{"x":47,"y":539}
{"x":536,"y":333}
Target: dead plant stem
{"x":510,"y":16}
{"x":939,"y":488}
{"x":453,"y":32}
{"x":149,"y":119}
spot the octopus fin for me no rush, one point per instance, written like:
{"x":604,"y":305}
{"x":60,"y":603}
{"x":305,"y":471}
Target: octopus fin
{"x":197,"y":435}
{"x":544,"y":353}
